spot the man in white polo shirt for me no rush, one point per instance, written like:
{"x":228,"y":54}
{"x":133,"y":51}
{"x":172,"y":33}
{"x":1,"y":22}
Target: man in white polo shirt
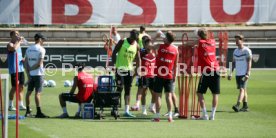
{"x":242,"y":60}
{"x":35,"y":72}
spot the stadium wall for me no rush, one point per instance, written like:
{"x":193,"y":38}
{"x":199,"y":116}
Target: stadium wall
{"x":96,"y":56}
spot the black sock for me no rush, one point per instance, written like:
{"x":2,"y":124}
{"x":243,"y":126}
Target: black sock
{"x":38,"y":110}
{"x":176,"y":110}
{"x":28,"y":108}
{"x":244,"y":104}
{"x":238,"y":103}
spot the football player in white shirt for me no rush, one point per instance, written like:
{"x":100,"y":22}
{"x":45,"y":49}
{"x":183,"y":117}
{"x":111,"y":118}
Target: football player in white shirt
{"x":242,"y":60}
{"x":35,"y":72}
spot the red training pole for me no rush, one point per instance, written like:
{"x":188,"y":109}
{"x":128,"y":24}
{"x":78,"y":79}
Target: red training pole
{"x":17,"y":97}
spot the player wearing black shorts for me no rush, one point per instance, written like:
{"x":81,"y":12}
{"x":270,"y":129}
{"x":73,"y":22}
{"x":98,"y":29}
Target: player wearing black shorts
{"x":126,"y":51}
{"x":14,"y":49}
{"x":210,"y":78}
{"x":165,"y":71}
{"x":86,"y":86}
{"x":146,"y":77}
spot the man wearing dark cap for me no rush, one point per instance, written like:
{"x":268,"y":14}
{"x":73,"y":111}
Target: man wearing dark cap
{"x":35,"y":72}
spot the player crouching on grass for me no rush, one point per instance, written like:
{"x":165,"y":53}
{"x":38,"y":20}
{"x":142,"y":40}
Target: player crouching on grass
{"x":210,"y":78}
{"x":242,"y":60}
{"x":86,"y":86}
{"x":146,"y":79}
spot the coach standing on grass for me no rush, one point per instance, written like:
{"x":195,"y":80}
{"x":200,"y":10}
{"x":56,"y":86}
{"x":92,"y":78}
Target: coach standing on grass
{"x":13,"y":49}
{"x":242,"y":60}
{"x":123,"y":56}
{"x":35,"y":72}
{"x":210,"y":78}
{"x":166,"y":68}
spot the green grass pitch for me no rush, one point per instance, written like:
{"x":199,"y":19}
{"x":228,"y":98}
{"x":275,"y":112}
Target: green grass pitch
{"x":259,"y":122}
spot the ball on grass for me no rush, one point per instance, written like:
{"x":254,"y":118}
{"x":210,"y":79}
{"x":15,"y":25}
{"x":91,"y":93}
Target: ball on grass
{"x":51,"y":83}
{"x":45,"y":83}
{"x":67,"y":83}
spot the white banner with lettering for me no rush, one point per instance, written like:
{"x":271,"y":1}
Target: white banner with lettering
{"x":93,"y":12}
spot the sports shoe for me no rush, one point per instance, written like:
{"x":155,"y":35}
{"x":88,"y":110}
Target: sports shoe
{"x":170,"y":120}
{"x":134,"y":108}
{"x":153,"y":110}
{"x":128,"y":115}
{"x":206,"y":117}
{"x":63,"y":115}
{"x":28,"y":114}
{"x":244,"y":109}
{"x":155,"y":120}
{"x":176,"y":114}
{"x":77,"y":115}
{"x":41,"y":115}
{"x":167,"y":114}
{"x":235,"y":108}
{"x":211,"y":118}
{"x":22,"y":107}
{"x":145,"y":112}
{"x":11,"y":108}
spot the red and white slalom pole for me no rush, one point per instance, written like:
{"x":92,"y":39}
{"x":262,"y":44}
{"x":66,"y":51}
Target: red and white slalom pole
{"x":17,"y":97}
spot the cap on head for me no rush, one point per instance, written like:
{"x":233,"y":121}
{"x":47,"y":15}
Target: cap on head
{"x":239,"y":36}
{"x":38,"y":36}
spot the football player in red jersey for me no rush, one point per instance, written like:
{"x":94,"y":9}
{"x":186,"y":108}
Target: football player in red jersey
{"x":146,"y":76}
{"x":85,"y":83}
{"x":209,"y":67}
{"x":165,"y":71}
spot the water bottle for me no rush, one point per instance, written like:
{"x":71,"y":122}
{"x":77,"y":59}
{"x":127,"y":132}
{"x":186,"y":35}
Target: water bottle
{"x":161,"y":33}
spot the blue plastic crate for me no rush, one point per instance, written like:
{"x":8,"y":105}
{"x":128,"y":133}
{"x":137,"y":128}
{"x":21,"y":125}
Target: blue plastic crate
{"x":106,"y":84}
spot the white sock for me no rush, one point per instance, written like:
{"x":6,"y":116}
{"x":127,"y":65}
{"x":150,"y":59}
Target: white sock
{"x":204,"y":111}
{"x":137,"y":103}
{"x":152,"y":105}
{"x":64,"y":110}
{"x":157,"y":115}
{"x":213,"y":111}
{"x":170,"y":114}
{"x":10,"y":103}
{"x":21,"y":103}
{"x":144,"y":108}
{"x":127,"y":108}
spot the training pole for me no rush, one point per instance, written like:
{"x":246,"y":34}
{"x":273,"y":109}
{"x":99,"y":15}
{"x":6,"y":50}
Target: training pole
{"x":2,"y":110}
{"x":17,"y":97}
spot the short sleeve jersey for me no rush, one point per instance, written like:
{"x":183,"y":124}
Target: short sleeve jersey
{"x":240,"y":57}
{"x":34,"y":53}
